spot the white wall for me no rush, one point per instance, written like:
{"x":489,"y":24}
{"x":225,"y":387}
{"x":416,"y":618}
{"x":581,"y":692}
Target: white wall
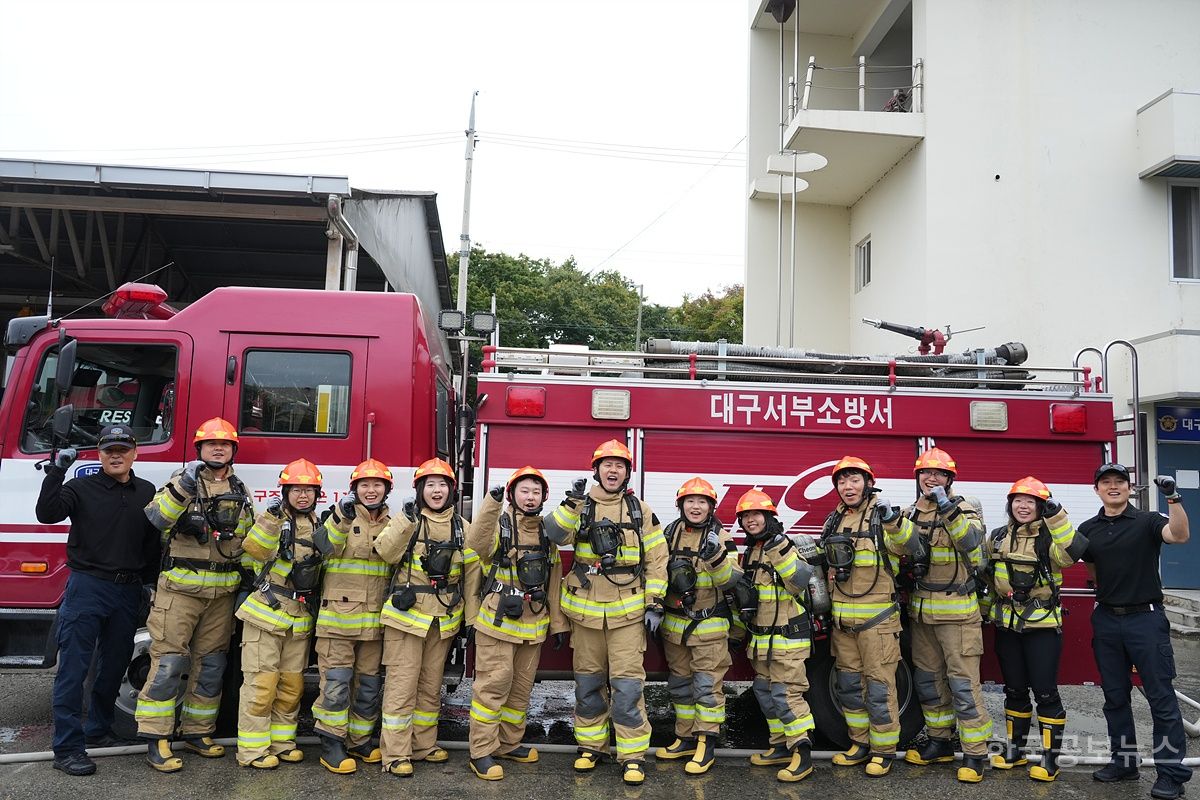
{"x":1069,"y":247}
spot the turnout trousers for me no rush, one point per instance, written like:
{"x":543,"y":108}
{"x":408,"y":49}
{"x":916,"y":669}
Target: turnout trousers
{"x":696,"y":685}
{"x":412,"y":692}
{"x":272,"y":685}
{"x":504,"y":674}
{"x":866,"y":686}
{"x":609,"y":676}
{"x":189,"y":636}
{"x":347,"y":706}
{"x":946,"y":656}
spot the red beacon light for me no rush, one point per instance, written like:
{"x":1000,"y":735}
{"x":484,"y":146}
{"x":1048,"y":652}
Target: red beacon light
{"x":139,"y":301}
{"x":1068,"y":418}
{"x":525,"y":401}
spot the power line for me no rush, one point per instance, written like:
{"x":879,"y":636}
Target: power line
{"x":605,"y":145}
{"x":602,"y":154}
{"x":666,"y":210}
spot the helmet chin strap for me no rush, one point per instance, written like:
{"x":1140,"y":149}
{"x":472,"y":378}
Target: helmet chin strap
{"x":216,"y":466}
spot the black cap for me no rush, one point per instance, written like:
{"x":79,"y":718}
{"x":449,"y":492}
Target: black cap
{"x":1104,"y":469}
{"x":115,"y":436}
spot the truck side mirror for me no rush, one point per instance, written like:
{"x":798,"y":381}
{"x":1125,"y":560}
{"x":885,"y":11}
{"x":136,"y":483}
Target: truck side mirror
{"x":64,"y":371}
{"x":64,"y":417}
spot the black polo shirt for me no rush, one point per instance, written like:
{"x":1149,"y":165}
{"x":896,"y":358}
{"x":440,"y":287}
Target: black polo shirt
{"x":1125,"y":551}
{"x":110,"y":533}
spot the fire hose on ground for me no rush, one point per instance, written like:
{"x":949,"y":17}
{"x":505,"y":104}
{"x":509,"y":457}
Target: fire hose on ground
{"x":563,"y":749}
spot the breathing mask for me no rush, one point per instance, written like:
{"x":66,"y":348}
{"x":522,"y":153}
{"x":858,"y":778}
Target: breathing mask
{"x":681,"y":580}
{"x":839,"y":552}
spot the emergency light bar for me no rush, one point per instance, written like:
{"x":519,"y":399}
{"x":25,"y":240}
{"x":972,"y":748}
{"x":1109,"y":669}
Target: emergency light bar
{"x":139,"y":301}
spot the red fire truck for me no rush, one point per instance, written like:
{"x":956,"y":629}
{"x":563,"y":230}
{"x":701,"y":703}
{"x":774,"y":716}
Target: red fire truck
{"x":337,"y":377}
{"x":329,"y":376}
{"x":744,"y":418}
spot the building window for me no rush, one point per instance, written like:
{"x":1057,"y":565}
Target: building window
{"x":862,"y":264}
{"x":296,"y":392}
{"x":1185,"y":232}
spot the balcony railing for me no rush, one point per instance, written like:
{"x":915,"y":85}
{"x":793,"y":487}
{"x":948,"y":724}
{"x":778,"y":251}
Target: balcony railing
{"x":905,"y":83}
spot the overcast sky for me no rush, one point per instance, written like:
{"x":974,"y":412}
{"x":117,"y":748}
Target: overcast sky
{"x":609,"y":129}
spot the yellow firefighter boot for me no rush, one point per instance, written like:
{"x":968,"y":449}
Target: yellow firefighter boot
{"x":401,"y":769}
{"x":878,"y":766}
{"x":487,"y":769}
{"x":161,"y":758}
{"x":705,"y":755}
{"x":436,"y":756}
{"x":335,"y":758}
{"x":857,"y":754}
{"x":586,"y":761}
{"x":293,"y":756}
{"x":634,"y":772}
{"x":800,"y":767}
{"x":264,"y":762}
{"x":367,"y":753}
{"x":204,"y":746}
{"x":777,"y":754}
{"x":972,"y":769}
{"x":522,"y":753}
{"x":680,"y":748}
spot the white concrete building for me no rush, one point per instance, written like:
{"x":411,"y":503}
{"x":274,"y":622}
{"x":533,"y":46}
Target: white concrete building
{"x":1044,"y":182}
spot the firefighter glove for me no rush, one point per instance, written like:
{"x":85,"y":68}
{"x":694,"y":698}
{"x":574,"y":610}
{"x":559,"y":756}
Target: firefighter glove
{"x":576,"y":492}
{"x":497,"y":492}
{"x":274,"y":505}
{"x":66,"y":457}
{"x":346,"y":505}
{"x":654,"y":618}
{"x":1051,"y":507}
{"x":710,"y":545}
{"x":560,"y":640}
{"x":887,"y":511}
{"x":410,"y":509}
{"x":939,"y":496}
{"x":190,"y":476}
{"x":1166,"y":485}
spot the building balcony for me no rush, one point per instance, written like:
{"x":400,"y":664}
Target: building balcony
{"x":861,"y":145}
{"x":1169,"y":136}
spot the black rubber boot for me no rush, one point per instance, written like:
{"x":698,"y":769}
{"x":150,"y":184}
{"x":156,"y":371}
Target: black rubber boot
{"x":1052,"y":736}
{"x":971,"y":770}
{"x":800,"y":767}
{"x":1017,"y":723}
{"x":334,"y":756}
{"x":934,"y":751}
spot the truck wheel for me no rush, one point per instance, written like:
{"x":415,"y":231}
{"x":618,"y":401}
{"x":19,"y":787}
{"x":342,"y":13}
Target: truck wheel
{"x":124,"y":723}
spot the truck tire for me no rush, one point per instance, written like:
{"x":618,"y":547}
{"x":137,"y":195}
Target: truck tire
{"x":124,"y":722}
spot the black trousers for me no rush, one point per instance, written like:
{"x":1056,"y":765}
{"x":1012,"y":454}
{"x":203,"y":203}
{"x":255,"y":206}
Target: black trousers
{"x":1140,"y":640}
{"x":97,"y":618}
{"x":1029,"y":661}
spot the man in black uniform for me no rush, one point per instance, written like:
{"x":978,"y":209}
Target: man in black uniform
{"x":112,"y":551}
{"x":1129,"y":626}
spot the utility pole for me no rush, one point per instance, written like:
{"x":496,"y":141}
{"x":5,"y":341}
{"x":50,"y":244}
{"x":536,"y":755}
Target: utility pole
{"x":637,"y":337}
{"x":464,"y":239}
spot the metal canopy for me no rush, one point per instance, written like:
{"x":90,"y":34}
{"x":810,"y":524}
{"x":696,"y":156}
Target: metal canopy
{"x":103,"y":225}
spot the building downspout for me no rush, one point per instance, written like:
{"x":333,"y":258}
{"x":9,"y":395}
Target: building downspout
{"x":339,"y":228}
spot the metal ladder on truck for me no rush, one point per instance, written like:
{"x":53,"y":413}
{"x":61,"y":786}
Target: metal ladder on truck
{"x":1135,"y":424}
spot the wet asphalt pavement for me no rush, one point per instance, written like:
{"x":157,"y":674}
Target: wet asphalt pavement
{"x":25,"y":728}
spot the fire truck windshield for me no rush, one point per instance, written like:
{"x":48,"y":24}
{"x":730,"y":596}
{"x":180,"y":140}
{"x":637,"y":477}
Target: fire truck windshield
{"x":130,"y":384}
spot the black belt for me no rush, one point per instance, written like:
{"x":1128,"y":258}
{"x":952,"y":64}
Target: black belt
{"x":1121,"y":611}
{"x":195,"y":565}
{"x":113,"y":577}
{"x":703,"y":614}
{"x":289,"y":592}
{"x":795,"y":630}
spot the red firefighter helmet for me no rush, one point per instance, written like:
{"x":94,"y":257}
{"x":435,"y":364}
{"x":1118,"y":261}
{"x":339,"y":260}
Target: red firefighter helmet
{"x":527,"y":472}
{"x":1031,"y":486}
{"x":434,"y":466}
{"x":372,"y":469}
{"x":215,"y":429}
{"x":300,"y":472}
{"x":851,"y":462}
{"x":936,"y":458}
{"x":696,"y":486}
{"x":754,"y":500}
{"x":612,"y":449}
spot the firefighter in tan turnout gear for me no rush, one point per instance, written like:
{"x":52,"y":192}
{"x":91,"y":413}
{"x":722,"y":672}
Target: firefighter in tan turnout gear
{"x":947,"y":639}
{"x":349,"y":631}
{"x":434,"y":593}
{"x":695,"y":631}
{"x":519,"y":609}
{"x":866,"y":617}
{"x":613,"y":596}
{"x":1026,"y":558}
{"x":775,"y":579}
{"x":204,"y":512}
{"x":286,"y":554}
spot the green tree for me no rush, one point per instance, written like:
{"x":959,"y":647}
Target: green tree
{"x":712,"y":316}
